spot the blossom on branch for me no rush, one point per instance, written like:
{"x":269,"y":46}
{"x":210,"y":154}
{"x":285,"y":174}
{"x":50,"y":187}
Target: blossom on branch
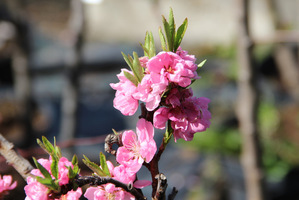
{"x":124,"y":100}
{"x":6,"y":184}
{"x":37,"y":191}
{"x":187,"y":114}
{"x":138,"y":147}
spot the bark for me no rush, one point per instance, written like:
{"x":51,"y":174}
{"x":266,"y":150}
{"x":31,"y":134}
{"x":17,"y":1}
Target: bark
{"x":22,"y":165}
{"x":247,"y":104}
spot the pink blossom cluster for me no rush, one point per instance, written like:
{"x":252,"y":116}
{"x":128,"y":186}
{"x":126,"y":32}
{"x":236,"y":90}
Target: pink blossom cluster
{"x":136,"y":149}
{"x":6,"y":184}
{"x":37,"y":191}
{"x":164,"y":90}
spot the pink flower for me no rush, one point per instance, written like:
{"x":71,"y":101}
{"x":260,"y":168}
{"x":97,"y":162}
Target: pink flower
{"x":150,"y":92}
{"x":72,"y":195}
{"x":124,"y":101}
{"x":137,"y":148}
{"x":143,"y":61}
{"x":35,"y":190}
{"x":189,"y":116}
{"x":173,"y":68}
{"x":123,"y":174}
{"x":107,"y":192}
{"x":6,"y":183}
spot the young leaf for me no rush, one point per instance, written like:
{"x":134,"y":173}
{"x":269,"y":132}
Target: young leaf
{"x":168,"y":133}
{"x":131,"y":78}
{"x":54,"y":167}
{"x":137,"y":68}
{"x":93,"y":166}
{"x":152,"y":47}
{"x":49,"y":183}
{"x":180,"y":34}
{"x":202,"y":63}
{"x":115,"y":132}
{"x":75,"y":160}
{"x":171,"y":29}
{"x":40,"y":143}
{"x":104,"y":164}
{"x":128,"y":61}
{"x":162,"y":39}
{"x":48,"y":146}
{"x":43,"y":170}
{"x":167,"y":33}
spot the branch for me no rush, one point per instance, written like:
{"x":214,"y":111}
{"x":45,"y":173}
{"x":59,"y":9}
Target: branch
{"x":22,"y":165}
{"x":173,"y":193}
{"x":161,"y":188}
{"x":96,"y":181}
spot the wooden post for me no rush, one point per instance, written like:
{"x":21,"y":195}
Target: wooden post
{"x":71,"y":87}
{"x":247,"y":104}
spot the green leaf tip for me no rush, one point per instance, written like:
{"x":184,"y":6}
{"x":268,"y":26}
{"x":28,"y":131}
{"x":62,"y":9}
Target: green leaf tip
{"x":172,"y":37}
{"x":202,"y":63}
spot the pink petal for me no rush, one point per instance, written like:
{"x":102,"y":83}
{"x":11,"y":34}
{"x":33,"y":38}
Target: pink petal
{"x":142,"y":183}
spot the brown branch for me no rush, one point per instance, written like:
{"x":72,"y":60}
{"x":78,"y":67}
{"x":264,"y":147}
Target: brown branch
{"x":247,"y":105}
{"x":173,"y":193}
{"x":161,"y":187}
{"x":96,"y":181}
{"x":22,"y":165}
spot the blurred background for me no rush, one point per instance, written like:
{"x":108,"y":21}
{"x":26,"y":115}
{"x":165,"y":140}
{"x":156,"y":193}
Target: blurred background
{"x":58,"y":57}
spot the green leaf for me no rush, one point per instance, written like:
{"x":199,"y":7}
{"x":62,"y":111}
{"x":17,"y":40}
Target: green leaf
{"x":93,"y":166}
{"x":167,"y":33}
{"x":202,"y":63}
{"x":54,"y":167}
{"x":152,"y":47}
{"x":180,"y":34}
{"x":128,"y":61}
{"x":43,"y":170}
{"x":104,"y":164}
{"x":40,"y":143}
{"x":75,"y":160}
{"x":49,"y":183}
{"x":137,"y":68}
{"x":168,"y":133}
{"x":162,"y":39}
{"x":171,"y":29}
{"x":115,"y":132}
{"x":131,"y":78}
{"x":48,"y":146}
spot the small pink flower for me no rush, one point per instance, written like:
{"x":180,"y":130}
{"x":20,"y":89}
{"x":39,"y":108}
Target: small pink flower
{"x":143,"y":61}
{"x":6,"y":183}
{"x":124,"y":100}
{"x":72,"y":195}
{"x":173,"y":68}
{"x":150,"y":92}
{"x":35,"y":190}
{"x":123,"y":174}
{"x":187,"y":115}
{"x":63,"y":170}
{"x":137,"y":148}
{"x":107,"y":192}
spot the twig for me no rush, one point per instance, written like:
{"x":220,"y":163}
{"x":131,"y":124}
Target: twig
{"x":161,"y":187}
{"x":173,"y":193}
{"x":22,"y":165}
{"x":96,"y":181}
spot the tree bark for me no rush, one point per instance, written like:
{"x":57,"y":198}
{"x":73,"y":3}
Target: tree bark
{"x":247,"y":104}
